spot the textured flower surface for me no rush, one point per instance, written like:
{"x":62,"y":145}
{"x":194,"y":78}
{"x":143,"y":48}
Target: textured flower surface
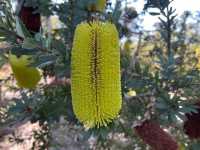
{"x":152,"y":134}
{"x":96,"y":87}
{"x":26,"y":76}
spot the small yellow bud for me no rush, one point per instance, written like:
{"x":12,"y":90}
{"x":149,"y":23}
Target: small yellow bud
{"x":132,"y":93}
{"x":128,"y":46}
{"x":98,"y":6}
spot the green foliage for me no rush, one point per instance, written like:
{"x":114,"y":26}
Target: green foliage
{"x":167,"y":83}
{"x":161,"y":68}
{"x":7,"y":22}
{"x":41,"y":105}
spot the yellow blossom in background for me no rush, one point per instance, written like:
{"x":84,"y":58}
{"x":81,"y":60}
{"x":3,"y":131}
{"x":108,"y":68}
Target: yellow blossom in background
{"x":128,"y":46}
{"x":96,"y":86}
{"x":101,"y":4}
{"x":197,"y":51}
{"x":98,"y":6}
{"x":26,"y":76}
{"x":131,"y":93}
{"x":181,"y":146}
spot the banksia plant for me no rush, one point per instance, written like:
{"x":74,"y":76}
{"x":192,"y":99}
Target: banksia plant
{"x":192,"y":124}
{"x":153,"y":135}
{"x":30,"y":18}
{"x":96,"y":87}
{"x":98,"y":6}
{"x":26,"y":76}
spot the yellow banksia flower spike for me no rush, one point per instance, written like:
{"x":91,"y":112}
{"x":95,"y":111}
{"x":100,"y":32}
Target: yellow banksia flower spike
{"x":96,"y":86}
{"x":26,"y":76}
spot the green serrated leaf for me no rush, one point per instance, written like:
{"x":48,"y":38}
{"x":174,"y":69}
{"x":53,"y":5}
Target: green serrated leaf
{"x":29,"y":43}
{"x":18,"y":51}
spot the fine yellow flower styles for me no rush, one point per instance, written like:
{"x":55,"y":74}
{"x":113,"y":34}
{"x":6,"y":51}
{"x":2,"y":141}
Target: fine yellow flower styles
{"x":96,"y":87}
{"x":26,"y":76}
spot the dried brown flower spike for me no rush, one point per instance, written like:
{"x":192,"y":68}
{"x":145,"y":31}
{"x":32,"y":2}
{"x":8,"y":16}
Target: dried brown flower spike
{"x":192,"y":124}
{"x":153,"y":135}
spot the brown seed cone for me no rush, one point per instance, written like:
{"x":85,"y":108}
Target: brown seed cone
{"x":192,"y":124}
{"x":153,"y":135}
{"x":30,"y":18}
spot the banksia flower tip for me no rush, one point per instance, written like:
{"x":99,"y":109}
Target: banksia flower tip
{"x":153,"y":135}
{"x":96,"y":87}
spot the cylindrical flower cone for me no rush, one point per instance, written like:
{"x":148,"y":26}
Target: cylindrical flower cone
{"x":26,"y":76}
{"x":30,"y":18}
{"x":153,"y":135}
{"x":192,"y":124}
{"x":96,"y":87}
